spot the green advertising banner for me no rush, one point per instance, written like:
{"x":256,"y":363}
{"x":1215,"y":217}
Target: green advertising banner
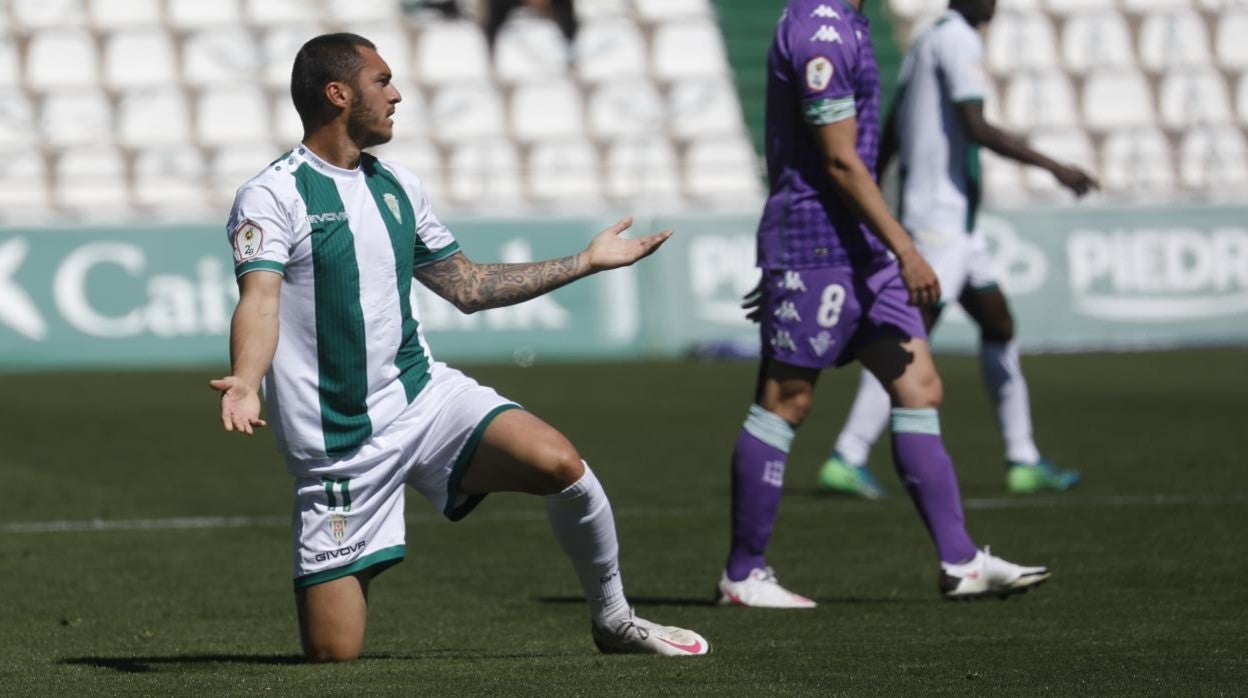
{"x":1078,"y":278}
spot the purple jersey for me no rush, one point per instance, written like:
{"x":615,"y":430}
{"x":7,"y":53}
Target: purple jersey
{"x":821,"y":69}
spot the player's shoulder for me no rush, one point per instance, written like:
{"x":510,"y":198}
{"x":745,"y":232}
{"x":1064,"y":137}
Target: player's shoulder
{"x":406,"y":177}
{"x":276,"y":180}
{"x":952,"y":30}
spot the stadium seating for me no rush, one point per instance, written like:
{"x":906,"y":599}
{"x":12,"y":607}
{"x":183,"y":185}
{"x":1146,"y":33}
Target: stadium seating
{"x":1099,"y":39}
{"x":1136,"y":163}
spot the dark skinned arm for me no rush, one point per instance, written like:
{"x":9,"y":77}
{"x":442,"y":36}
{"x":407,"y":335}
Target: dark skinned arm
{"x":1008,"y":145}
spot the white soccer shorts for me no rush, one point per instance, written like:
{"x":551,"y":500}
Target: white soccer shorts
{"x":960,"y":260}
{"x":348,"y":513}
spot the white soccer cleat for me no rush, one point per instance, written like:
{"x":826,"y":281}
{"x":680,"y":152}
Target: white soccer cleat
{"x":759,"y":590}
{"x":634,"y":635}
{"x":988,"y":575}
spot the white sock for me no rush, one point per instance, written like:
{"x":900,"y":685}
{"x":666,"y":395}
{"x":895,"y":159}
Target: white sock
{"x":1003,"y":377}
{"x":866,"y":421}
{"x":581,"y":518}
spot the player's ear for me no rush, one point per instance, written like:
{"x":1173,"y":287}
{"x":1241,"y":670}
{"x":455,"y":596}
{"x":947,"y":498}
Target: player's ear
{"x":338,"y":94}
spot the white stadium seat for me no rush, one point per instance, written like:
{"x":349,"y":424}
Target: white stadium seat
{"x":1137,"y":162}
{"x":221,"y":56}
{"x":992,"y":103}
{"x":1117,"y":99}
{"x":1074,"y":8}
{"x":139,"y":58}
{"x":198,"y":14}
{"x":91,"y":180}
{"x":564,"y":172}
{"x":1070,"y":146}
{"x":17,"y":121}
{"x":1172,"y":40}
{"x":23,"y":182}
{"x":704,"y":108}
{"x":1214,"y":160}
{"x":1232,"y":47}
{"x":76,"y":117}
{"x":1143,"y":6}
{"x":110,"y":15}
{"x":656,"y":11}
{"x":287,"y":128}
{"x":1192,"y":98}
{"x":228,"y":115}
{"x":626,"y":109}
{"x":724,"y":171}
{"x":1018,"y":6}
{"x":609,"y":49}
{"x":530,"y":49}
{"x":1242,"y":99}
{"x":912,"y":9}
{"x":484,"y":174}
{"x":276,"y":13}
{"x":411,"y":114}
{"x":393,"y":45}
{"x":1020,"y":41}
{"x":1002,"y":179}
{"x":351,"y":11}
{"x":10,"y":71}
{"x":1040,"y":100}
{"x":236,"y":163}
{"x":1218,"y":6}
{"x":278,"y":48}
{"x":644,"y":170}
{"x":1095,"y":41}
{"x":459,"y":114}
{"x":34,"y":15}
{"x":58,"y":59}
{"x":688,"y":50}
{"x":153,"y":117}
{"x":545,"y":111}
{"x":172,"y":181}
{"x":587,"y":10}
{"x":452,"y":53}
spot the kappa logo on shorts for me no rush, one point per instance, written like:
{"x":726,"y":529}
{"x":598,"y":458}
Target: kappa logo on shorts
{"x":787,"y":312}
{"x":338,"y":527}
{"x":793,"y":281}
{"x":818,"y":73}
{"x":783,"y":340}
{"x":248,"y":238}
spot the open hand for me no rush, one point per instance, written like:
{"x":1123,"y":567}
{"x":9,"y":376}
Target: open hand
{"x":609,"y":251}
{"x":240,"y":405}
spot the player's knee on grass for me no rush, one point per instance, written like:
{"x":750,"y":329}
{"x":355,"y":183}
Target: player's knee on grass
{"x":326,"y":650}
{"x":332,"y":618}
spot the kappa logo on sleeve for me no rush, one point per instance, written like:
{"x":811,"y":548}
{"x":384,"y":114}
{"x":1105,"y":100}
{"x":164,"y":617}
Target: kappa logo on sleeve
{"x":248,"y":238}
{"x":827,"y":34}
{"x":818,"y":73}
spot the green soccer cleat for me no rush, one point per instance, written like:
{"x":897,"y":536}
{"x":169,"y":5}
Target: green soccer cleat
{"x":838,"y":476}
{"x":1030,"y":478}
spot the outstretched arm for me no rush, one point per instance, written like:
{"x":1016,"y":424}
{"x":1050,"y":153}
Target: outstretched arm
{"x":837,"y":140}
{"x":1008,"y":145}
{"x":471,"y":287}
{"x":253,"y":339}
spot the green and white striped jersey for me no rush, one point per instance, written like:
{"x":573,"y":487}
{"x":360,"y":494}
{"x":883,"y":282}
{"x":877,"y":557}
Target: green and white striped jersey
{"x":350,"y":353}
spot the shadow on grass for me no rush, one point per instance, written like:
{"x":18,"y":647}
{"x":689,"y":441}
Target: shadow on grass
{"x":636,"y":600}
{"x":707,"y":601}
{"x":141,"y":665}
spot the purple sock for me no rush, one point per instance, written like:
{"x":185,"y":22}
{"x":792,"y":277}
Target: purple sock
{"x":757,"y":478}
{"x":927,"y":471}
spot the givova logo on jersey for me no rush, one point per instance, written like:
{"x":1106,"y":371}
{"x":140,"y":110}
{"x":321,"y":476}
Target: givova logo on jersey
{"x":1159,"y":274}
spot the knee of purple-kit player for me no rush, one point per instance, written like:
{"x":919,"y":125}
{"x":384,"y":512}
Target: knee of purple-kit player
{"x":923,"y":389}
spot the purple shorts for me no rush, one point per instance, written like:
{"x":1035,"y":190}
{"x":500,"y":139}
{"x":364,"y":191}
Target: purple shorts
{"x":819,"y":318}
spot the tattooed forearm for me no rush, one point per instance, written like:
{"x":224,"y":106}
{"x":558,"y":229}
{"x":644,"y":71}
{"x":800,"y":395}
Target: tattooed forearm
{"x":472,"y":287}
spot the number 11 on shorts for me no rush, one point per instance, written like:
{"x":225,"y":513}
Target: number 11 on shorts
{"x":344,"y":491}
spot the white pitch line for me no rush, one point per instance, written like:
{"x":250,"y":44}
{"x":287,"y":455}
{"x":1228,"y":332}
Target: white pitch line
{"x":801,"y":507}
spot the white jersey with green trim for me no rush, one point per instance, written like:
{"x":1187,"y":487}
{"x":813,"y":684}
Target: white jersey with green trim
{"x":350,"y":353}
{"x":940,"y":186}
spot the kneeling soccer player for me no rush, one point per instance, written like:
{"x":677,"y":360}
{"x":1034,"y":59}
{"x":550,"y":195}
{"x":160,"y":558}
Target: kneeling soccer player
{"x":326,"y":242}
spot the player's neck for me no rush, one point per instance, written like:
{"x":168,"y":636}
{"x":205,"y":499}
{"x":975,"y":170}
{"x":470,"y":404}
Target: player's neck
{"x":334,"y":148}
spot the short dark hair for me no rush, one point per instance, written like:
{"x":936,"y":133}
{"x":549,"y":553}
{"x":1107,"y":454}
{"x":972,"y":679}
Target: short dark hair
{"x":324,"y":59}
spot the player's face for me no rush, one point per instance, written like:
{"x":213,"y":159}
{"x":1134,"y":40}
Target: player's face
{"x":370,"y":119}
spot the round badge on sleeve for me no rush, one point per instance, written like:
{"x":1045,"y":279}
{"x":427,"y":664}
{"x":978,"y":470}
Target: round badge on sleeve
{"x":818,"y":73}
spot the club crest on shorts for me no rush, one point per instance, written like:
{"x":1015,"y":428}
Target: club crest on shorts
{"x":392,"y":203}
{"x":338,"y":527}
{"x":818,"y":73}
{"x":248,"y":237}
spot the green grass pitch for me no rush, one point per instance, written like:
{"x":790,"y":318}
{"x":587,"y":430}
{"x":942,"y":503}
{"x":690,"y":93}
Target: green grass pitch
{"x":1150,"y":555}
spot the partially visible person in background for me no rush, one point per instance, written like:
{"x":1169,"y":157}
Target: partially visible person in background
{"x":560,"y":12}
{"x":936,"y":128}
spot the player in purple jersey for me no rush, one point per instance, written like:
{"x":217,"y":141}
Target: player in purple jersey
{"x":831,"y":293}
